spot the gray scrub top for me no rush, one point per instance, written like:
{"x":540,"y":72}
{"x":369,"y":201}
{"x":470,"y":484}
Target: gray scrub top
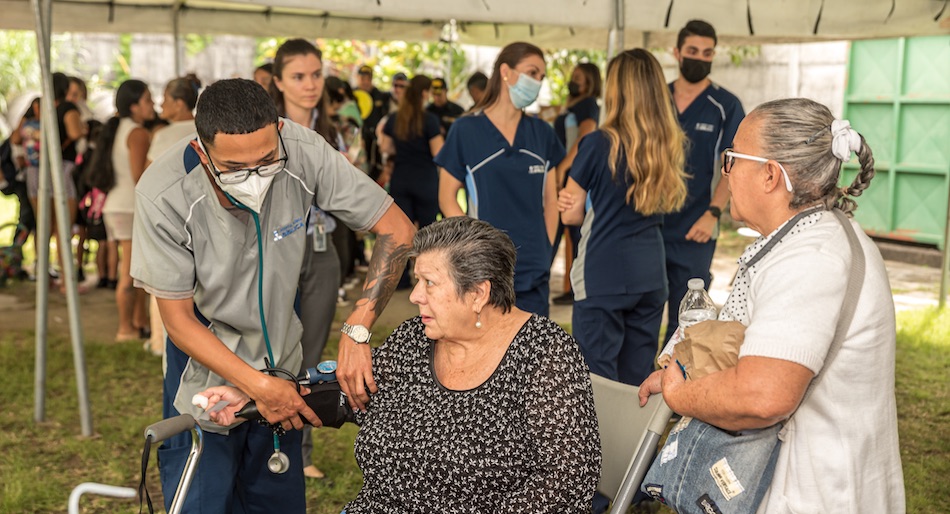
{"x":186,"y":244}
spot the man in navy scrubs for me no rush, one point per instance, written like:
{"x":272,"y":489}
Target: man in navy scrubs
{"x":710,"y":116}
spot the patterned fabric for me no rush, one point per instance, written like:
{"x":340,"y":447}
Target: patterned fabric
{"x":526,"y":440}
{"x":736,"y":307}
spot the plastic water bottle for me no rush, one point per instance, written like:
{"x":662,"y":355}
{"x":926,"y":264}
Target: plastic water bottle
{"x":696,"y":306}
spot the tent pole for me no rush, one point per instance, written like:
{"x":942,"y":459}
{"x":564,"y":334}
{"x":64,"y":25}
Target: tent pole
{"x":176,"y":37}
{"x":42,"y":235}
{"x":55,"y":175}
{"x":615,"y":36}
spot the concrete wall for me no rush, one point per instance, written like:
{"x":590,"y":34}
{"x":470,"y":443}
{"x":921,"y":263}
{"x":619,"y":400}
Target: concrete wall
{"x":812,"y":70}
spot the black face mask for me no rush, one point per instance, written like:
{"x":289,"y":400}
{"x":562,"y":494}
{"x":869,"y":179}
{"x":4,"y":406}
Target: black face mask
{"x":695,"y":70}
{"x":574,"y":89}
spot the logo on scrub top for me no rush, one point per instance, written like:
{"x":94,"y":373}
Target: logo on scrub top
{"x":286,"y":230}
{"x":705,"y":127}
{"x":536,"y":168}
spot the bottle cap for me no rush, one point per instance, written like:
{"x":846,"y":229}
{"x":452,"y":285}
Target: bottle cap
{"x":696,"y":283}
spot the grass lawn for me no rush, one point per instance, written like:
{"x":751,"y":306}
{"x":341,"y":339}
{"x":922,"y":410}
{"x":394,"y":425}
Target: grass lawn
{"x":42,"y":462}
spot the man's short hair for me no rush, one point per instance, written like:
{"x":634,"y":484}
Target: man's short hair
{"x":233,"y":106}
{"x":478,"y":80}
{"x":696,"y":28}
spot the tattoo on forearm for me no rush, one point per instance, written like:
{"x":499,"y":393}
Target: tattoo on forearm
{"x":385,"y":269}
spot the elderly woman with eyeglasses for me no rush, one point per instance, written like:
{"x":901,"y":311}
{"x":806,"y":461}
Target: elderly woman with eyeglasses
{"x":482,"y":407}
{"x":840,"y":448}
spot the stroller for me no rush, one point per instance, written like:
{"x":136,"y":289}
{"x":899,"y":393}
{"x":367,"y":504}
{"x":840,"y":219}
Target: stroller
{"x":11,"y":255}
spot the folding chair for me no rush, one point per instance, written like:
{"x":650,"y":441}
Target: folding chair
{"x":629,"y":436}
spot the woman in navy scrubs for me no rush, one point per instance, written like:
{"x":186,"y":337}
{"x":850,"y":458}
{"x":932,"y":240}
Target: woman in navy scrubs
{"x":628,"y":173}
{"x":505,"y":160}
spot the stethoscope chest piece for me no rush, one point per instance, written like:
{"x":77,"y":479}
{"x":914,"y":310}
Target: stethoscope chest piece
{"x":278,"y":463}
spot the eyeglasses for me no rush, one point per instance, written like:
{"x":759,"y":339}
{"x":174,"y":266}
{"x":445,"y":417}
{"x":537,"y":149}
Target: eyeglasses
{"x":236,"y":176}
{"x":729,"y":159}
{"x":398,"y":86}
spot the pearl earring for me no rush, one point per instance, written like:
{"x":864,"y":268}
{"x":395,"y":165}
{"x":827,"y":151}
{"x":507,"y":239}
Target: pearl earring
{"x":478,"y":320}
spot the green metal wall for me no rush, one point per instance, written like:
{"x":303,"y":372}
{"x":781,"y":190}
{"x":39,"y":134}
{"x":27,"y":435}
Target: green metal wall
{"x":898,"y":97}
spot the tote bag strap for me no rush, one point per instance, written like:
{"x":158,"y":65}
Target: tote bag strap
{"x":855,"y":283}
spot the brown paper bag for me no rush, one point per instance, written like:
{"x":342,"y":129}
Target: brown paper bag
{"x":710,"y":346}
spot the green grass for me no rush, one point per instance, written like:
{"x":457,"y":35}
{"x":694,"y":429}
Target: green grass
{"x":923,"y":403}
{"x":41,"y":463}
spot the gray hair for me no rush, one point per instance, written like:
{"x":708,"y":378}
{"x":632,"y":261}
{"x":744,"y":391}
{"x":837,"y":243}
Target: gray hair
{"x":799,"y":136}
{"x":475,"y":251}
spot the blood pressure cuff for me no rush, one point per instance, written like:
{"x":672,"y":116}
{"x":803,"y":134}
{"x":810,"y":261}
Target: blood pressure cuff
{"x":328,"y":402}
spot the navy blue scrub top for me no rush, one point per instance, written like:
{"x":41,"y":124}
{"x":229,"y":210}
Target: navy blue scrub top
{"x":621,"y":250}
{"x":586,"y":109}
{"x":413,"y":160}
{"x":710,"y":124}
{"x":505,"y":184}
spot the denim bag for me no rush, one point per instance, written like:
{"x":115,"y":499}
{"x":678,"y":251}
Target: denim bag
{"x":706,"y":470}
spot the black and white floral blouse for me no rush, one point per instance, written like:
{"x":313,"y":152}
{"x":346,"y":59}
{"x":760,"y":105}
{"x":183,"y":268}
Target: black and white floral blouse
{"x":524,"y":441}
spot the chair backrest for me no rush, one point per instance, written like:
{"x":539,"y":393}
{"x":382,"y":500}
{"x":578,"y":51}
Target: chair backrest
{"x":628,"y":437}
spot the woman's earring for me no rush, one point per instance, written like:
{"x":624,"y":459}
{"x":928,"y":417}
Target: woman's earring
{"x":478,"y":320}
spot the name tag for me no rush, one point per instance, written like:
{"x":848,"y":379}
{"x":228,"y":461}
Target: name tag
{"x":705,"y":127}
{"x":537,"y":168}
{"x":290,"y":228}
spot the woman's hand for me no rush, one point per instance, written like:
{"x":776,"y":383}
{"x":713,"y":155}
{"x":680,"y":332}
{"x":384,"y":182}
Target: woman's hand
{"x":652,"y":385}
{"x":666,"y":381}
{"x":236,"y":401}
{"x":565,"y":200}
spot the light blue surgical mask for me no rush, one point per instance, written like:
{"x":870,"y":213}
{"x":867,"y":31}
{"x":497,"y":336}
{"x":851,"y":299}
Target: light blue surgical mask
{"x":524,"y":92}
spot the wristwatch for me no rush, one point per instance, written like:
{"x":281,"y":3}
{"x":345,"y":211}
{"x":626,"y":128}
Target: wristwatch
{"x":715,"y":211}
{"x":358,"y":333}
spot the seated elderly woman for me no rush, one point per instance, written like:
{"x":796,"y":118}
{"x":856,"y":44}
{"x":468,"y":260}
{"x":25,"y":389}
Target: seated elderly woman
{"x":482,"y":407}
{"x":840,"y":452}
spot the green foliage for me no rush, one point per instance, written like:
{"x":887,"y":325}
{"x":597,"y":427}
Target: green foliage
{"x":122,"y":70}
{"x":195,"y":43}
{"x":561,"y":64}
{"x":742,"y":53}
{"x":385,"y":57}
{"x":19,"y":64}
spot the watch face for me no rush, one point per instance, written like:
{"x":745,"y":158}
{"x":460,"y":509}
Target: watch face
{"x":359,"y":333}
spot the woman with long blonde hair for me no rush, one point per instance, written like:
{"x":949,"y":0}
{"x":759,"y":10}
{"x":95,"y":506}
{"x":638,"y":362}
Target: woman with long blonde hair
{"x":627,"y":175}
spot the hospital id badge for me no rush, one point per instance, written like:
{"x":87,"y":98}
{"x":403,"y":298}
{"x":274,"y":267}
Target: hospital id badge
{"x":320,"y":237}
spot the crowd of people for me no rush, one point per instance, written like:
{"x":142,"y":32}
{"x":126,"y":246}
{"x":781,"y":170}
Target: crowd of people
{"x":244,"y":208}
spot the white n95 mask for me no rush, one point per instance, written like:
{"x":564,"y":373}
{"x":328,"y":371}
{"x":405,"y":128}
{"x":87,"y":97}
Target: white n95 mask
{"x":251,"y":192}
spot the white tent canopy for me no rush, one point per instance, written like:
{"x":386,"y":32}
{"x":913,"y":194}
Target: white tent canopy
{"x":557,"y":23}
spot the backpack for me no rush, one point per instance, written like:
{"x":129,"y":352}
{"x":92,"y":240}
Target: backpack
{"x":90,"y":210}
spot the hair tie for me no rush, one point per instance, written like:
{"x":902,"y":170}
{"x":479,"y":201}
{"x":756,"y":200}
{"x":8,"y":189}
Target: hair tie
{"x":844,"y":140}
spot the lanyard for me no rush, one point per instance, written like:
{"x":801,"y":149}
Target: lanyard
{"x":778,"y":237}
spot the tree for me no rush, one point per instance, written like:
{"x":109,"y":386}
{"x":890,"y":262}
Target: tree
{"x":19,"y":65}
{"x":387,"y":58}
{"x":561,"y":64}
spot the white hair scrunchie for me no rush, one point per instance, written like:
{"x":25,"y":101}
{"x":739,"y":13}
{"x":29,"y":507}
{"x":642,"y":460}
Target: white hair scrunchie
{"x":844,"y":140}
